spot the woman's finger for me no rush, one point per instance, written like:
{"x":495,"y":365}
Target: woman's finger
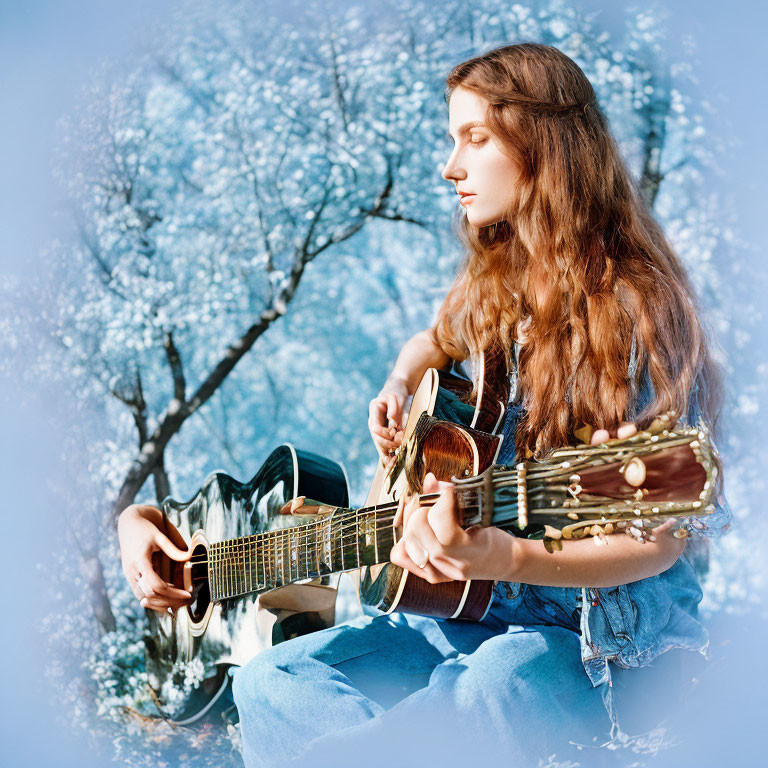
{"x":151,"y":583}
{"x":665,"y":526}
{"x":382,"y":435}
{"x":174,"y":534}
{"x":398,"y":518}
{"x":399,"y":556}
{"x":170,"y":549}
{"x":388,"y":433}
{"x":412,"y":505}
{"x":160,"y":604}
{"x":377,"y":412}
{"x":442,"y":517}
{"x":137,"y":590}
{"x":626,"y":429}
{"x":600,"y":436}
{"x":385,"y":440}
{"x":393,"y":410}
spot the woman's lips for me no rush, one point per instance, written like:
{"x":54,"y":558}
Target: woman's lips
{"x":466,"y":198}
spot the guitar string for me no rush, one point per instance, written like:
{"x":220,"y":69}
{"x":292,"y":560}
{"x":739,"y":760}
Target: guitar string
{"x":343,"y":528}
{"x":242,"y":578}
{"x":305,"y":530}
{"x":348,"y":519}
{"x":343,"y":523}
{"x":298,"y":537}
{"x":365,"y":511}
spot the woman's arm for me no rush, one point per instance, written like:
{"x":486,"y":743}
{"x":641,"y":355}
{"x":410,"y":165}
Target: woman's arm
{"x":385,"y":411}
{"x":581,"y":563}
{"x":417,"y":354}
{"x":434,"y":546}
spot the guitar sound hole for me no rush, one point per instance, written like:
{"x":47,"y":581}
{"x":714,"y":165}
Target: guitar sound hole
{"x":201,"y":593}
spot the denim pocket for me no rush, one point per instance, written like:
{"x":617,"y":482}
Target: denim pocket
{"x":620,"y":614}
{"x":552,"y":605}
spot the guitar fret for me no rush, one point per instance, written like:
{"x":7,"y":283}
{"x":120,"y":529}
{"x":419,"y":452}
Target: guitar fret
{"x":375,"y":535}
{"x":223,"y":572}
{"x":235,"y":569}
{"x":276,"y":554}
{"x":286,"y":549}
{"x":211,"y":573}
{"x":225,"y":559}
{"x":243,"y":554}
{"x":218,"y":572}
{"x":357,"y":535}
{"x":254,"y":564}
{"x":272,"y":558}
{"x":246,"y":566}
{"x":230,"y":572}
{"x":264,"y":563}
{"x":220,"y":585}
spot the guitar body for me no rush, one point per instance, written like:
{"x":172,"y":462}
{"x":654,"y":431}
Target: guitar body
{"x":464,"y":442}
{"x":218,"y":635}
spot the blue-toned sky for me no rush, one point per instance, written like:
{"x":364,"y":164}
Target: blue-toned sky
{"x":48,"y":49}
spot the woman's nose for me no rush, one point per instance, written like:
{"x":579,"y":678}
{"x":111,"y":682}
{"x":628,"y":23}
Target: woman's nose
{"x":450,"y":171}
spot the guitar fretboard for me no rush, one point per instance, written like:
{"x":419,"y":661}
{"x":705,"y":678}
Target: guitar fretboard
{"x":345,"y":540}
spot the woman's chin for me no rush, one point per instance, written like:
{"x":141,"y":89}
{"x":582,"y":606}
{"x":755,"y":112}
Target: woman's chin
{"x":479,"y":221}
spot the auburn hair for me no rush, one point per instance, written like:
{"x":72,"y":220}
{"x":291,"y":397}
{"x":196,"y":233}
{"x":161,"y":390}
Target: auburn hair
{"x":579,"y":258}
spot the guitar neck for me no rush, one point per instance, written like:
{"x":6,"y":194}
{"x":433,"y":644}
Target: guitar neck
{"x":575,"y":492}
{"x":345,"y":540}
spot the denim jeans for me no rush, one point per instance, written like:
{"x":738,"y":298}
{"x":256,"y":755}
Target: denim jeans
{"x":403,"y":690}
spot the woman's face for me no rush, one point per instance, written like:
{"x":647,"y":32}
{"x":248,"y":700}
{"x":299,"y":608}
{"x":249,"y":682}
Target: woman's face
{"x":477,"y":163}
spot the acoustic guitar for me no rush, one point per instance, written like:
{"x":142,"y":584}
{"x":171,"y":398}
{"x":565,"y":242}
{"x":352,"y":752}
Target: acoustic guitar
{"x":290,"y":528}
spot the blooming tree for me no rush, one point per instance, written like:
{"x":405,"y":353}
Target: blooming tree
{"x":260,"y":224}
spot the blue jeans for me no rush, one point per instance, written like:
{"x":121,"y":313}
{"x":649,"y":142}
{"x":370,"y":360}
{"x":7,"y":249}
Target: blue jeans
{"x":403,"y":690}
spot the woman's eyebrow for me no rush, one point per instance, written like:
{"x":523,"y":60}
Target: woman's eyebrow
{"x":474,"y":124}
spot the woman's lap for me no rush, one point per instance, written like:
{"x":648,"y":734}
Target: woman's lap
{"x":434,"y":685}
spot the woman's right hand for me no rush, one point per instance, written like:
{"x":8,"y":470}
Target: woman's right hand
{"x":139,"y":530}
{"x":385,"y":417}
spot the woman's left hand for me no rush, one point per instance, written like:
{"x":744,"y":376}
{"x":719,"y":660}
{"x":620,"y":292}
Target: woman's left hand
{"x":625,"y":429}
{"x":435,"y":547}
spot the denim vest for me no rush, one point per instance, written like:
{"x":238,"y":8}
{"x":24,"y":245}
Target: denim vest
{"x":632,"y":623}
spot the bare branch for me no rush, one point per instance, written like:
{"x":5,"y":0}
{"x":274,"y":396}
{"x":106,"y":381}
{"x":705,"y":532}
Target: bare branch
{"x":176,"y":366}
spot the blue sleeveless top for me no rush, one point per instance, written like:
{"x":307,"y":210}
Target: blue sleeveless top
{"x":632,"y":623}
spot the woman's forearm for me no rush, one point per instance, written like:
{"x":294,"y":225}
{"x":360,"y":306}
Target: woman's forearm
{"x":584,"y":564}
{"x":417,"y":354}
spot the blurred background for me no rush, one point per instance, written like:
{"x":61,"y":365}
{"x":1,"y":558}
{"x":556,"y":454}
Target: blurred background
{"x":137,"y":142}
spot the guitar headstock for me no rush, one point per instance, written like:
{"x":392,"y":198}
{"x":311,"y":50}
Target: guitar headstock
{"x":630,"y":485}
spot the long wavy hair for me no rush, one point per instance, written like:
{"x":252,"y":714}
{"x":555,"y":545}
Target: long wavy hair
{"x":578,"y":258}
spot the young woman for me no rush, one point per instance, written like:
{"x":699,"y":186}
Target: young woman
{"x":568,"y":273}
